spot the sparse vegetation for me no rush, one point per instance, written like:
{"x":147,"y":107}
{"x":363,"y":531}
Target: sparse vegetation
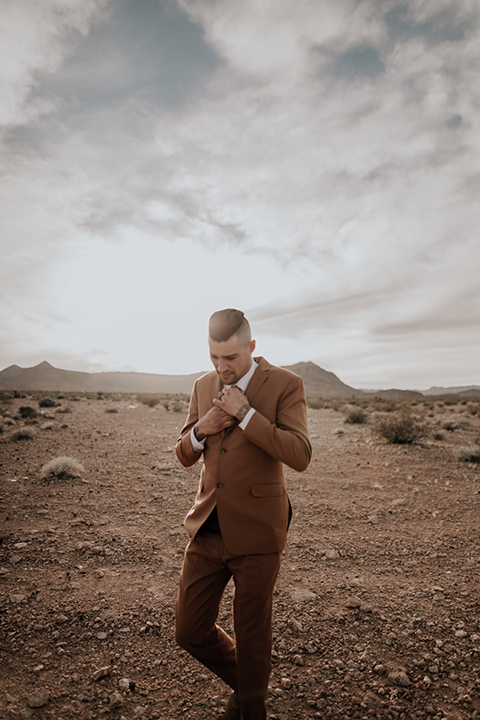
{"x":27,"y":411}
{"x":356,"y":416}
{"x":403,"y":428}
{"x":23,"y":433}
{"x":470,"y":454}
{"x":150,"y":400}
{"x":47,"y":402}
{"x":111,"y":410}
{"x":62,"y":468}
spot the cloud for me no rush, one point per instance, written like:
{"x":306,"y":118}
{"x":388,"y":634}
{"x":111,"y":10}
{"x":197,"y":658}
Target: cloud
{"x":331,"y":151}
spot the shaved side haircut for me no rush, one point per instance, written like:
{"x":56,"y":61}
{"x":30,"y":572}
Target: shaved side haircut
{"x":224,"y":324}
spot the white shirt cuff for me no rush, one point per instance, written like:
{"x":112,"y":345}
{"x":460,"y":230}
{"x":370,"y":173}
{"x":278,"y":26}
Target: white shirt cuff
{"x":197,"y":445}
{"x":246,"y":419}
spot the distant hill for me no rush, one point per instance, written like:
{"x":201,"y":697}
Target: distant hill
{"x":395,"y":394}
{"x":45,"y":377}
{"x":464,"y":391}
{"x":321,"y":383}
{"x":48,"y":378}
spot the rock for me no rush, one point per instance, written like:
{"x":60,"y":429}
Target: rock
{"x":398,"y":677}
{"x":332,"y":554}
{"x":16,"y":598}
{"x":102,"y":672}
{"x":300,"y":595}
{"x":115,"y":700}
{"x":38,"y":699}
{"x":101,"y":636}
{"x":124,"y":684}
{"x":353,"y":602}
{"x":298,"y":660}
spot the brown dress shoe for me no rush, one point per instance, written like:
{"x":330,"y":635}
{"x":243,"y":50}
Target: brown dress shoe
{"x":232,"y":710}
{"x":253,"y":708}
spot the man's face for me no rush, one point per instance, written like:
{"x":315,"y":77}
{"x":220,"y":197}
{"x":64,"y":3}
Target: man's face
{"x":231,"y":358}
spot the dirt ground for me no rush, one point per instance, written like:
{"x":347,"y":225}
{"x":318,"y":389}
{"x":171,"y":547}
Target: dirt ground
{"x":376,"y":607}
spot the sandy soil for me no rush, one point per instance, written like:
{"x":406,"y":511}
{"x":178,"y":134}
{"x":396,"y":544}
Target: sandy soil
{"x":376,"y":607}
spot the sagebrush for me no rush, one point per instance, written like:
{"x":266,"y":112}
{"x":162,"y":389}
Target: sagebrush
{"x":401,"y":428}
{"x":62,"y":468}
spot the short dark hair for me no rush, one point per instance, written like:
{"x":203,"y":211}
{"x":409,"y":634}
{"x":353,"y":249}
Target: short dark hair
{"x":223,"y":324}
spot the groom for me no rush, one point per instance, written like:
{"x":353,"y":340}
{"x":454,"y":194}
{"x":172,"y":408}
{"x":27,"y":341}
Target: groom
{"x":246,"y":419}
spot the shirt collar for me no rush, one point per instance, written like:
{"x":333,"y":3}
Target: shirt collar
{"x":243,"y":382}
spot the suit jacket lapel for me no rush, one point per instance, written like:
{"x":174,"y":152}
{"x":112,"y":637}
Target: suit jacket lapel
{"x":258,"y":378}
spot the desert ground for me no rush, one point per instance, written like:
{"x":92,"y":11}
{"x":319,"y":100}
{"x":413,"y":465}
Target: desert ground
{"x":377,"y":603}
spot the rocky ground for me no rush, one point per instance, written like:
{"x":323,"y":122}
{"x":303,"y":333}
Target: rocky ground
{"x":376,"y":607}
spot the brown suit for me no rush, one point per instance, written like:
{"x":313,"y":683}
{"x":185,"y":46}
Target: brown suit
{"x":242,"y":476}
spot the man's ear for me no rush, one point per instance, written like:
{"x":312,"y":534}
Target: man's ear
{"x":252,"y":345}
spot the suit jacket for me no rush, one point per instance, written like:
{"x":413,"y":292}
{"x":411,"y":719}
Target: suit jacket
{"x":242,"y":471}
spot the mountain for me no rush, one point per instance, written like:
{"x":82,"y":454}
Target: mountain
{"x":45,"y":377}
{"x":321,"y":383}
{"x":469,"y":392}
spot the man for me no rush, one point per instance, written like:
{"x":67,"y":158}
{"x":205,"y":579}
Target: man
{"x":246,"y":419}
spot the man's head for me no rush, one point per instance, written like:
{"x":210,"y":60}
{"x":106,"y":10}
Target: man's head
{"x":231,"y":345}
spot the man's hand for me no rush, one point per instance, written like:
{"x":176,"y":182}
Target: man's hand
{"x":214,"y":421}
{"x":233,"y":402}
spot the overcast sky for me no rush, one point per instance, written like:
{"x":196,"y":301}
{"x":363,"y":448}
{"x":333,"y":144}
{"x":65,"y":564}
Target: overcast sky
{"x":315,"y":163}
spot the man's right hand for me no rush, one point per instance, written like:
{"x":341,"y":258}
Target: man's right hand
{"x":214,"y":421}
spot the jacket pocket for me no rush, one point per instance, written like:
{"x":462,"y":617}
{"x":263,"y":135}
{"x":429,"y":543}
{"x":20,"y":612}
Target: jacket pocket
{"x":268,"y":490}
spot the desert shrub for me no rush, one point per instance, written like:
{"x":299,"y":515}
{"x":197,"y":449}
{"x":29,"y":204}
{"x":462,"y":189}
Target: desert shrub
{"x":23,"y":433}
{"x":176,"y":406}
{"x":471,"y":453}
{"x":47,"y":402}
{"x":27,"y":411}
{"x":62,"y":468}
{"x":149,"y":400}
{"x":449,"y":426}
{"x":438,"y":436}
{"x":317,"y":403}
{"x":401,"y":428}
{"x":356,"y":416}
{"x":111,"y":410}
{"x":2,"y":425}
{"x":473,"y":409}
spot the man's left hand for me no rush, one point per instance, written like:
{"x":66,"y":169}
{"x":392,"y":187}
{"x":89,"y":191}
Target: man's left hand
{"x":233,"y":402}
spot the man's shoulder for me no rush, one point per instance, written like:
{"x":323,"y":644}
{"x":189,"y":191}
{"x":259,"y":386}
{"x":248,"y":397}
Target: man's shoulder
{"x":207,"y":380}
{"x":277,"y":373}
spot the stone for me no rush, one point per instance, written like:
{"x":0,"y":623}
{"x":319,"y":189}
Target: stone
{"x":102,"y":672}
{"x":300,"y":595}
{"x":38,"y":699}
{"x":115,"y":700}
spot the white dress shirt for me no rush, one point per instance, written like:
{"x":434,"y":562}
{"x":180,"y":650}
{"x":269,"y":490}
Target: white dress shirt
{"x":198,"y":445}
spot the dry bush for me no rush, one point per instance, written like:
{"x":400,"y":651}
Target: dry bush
{"x":111,"y":410}
{"x":401,"y":428}
{"x":27,"y":411}
{"x":471,"y":453}
{"x":356,"y":416}
{"x":62,"y":468}
{"x":23,"y":433}
{"x":47,"y":402}
{"x":317,"y":403}
{"x":149,"y":399}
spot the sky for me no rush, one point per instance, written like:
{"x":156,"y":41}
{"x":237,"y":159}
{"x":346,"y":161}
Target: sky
{"x":314,"y":163}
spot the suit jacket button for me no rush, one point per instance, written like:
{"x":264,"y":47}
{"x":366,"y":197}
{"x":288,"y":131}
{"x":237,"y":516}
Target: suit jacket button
{"x":219,"y":485}
{"x":223,"y":451}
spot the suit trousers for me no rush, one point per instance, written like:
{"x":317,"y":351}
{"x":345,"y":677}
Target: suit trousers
{"x":242,"y":662}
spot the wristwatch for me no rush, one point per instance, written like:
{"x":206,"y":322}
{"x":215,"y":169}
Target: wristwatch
{"x":199,"y":436}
